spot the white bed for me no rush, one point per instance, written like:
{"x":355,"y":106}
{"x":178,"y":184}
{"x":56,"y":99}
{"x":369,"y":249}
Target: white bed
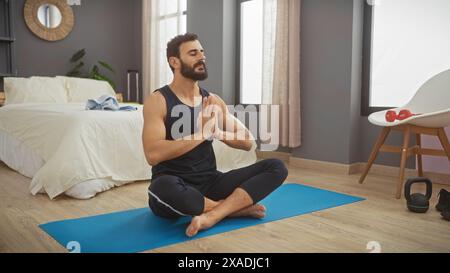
{"x":66,"y":149}
{"x":62,"y":145}
{"x":21,"y":158}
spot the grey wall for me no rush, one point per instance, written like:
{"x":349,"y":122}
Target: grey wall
{"x":326,"y":62}
{"x":229,"y":51}
{"x":110,"y":30}
{"x":354,"y":140}
{"x":215,"y":23}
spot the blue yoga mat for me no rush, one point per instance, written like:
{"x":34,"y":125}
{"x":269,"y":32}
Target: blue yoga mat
{"x":139,"y":229}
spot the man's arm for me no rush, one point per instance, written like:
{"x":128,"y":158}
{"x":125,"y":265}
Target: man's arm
{"x":231,"y":131}
{"x":156,"y":148}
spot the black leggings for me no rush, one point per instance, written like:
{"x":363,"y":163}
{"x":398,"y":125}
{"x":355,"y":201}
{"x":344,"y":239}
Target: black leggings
{"x":171,"y":197}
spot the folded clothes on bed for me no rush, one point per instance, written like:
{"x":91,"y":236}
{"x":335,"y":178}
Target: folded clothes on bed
{"x":107,"y":102}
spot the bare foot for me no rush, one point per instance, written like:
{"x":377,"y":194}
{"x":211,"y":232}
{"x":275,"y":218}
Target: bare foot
{"x":206,"y":220}
{"x":255,"y":211}
{"x":198,"y":223}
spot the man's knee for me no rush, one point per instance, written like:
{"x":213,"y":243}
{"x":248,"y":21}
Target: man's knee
{"x":277,"y":166}
{"x":160,"y":199}
{"x":169,"y":197}
{"x":163,"y":185}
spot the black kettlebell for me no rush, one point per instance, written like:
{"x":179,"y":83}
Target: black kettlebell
{"x":418,"y":202}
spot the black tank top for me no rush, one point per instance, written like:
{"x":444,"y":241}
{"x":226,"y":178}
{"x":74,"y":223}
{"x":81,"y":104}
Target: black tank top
{"x":197,"y":166}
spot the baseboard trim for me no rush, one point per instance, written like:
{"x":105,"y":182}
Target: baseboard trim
{"x":348,"y":169}
{"x":285,"y":157}
{"x":317,"y":165}
{"x":382,"y":170}
{"x":440,"y":178}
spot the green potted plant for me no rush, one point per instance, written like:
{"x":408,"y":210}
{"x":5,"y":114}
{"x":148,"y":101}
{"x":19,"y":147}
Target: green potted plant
{"x":94,"y":73}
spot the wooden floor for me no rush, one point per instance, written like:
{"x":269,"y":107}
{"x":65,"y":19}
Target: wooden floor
{"x":381,"y":218}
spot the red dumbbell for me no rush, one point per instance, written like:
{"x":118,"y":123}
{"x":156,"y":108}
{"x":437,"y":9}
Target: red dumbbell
{"x":391,"y":115}
{"x":404,"y":114}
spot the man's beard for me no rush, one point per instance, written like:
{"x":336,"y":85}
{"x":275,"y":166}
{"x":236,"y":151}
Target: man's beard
{"x":190,"y":73}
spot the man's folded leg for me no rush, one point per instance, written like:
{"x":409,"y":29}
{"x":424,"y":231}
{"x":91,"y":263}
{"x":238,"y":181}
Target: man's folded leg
{"x":171,"y":197}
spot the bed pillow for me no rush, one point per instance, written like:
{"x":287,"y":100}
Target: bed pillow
{"x":81,"y":90}
{"x":34,"y":89}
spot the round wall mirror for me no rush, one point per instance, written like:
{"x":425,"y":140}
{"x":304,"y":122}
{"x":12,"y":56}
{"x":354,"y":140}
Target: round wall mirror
{"x":49,"y":15}
{"x":51,"y":20}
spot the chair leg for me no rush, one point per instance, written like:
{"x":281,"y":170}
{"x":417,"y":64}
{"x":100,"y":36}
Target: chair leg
{"x":403,"y":161}
{"x":373,"y":155}
{"x":419,"y":156}
{"x":444,"y":141}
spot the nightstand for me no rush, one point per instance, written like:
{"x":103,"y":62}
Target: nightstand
{"x":2,"y":98}
{"x":119,"y":97}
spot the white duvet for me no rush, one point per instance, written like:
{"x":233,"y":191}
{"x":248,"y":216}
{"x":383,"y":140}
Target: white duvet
{"x":78,"y":145}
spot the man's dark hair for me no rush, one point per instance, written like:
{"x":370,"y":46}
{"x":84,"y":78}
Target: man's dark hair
{"x":173,"y":46}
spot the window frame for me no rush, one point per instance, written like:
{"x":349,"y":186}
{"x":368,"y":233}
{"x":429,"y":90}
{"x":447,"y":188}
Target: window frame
{"x":167,"y":16}
{"x":366,"y":109}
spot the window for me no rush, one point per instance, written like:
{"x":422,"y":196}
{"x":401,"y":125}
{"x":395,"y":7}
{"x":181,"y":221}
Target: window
{"x":251,"y":52}
{"x":257,"y":19}
{"x":406,"y":44}
{"x":171,"y":22}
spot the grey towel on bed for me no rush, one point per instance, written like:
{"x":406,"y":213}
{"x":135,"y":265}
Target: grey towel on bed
{"x":107,"y":102}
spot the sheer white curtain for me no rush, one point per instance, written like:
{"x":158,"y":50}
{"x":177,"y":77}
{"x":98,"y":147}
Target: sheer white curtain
{"x":281,"y":66}
{"x":286,"y":81}
{"x":148,"y":46}
{"x":161,"y":21}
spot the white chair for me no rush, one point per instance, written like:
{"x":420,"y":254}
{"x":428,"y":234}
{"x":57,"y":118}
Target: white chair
{"x":432,"y":102}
